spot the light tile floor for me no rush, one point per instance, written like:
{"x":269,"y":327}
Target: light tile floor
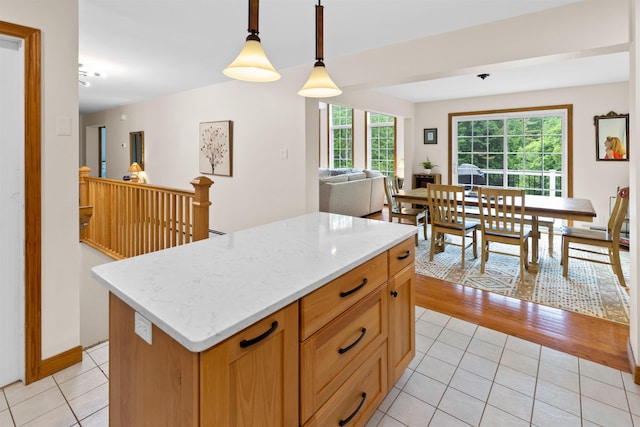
{"x":462,"y":375}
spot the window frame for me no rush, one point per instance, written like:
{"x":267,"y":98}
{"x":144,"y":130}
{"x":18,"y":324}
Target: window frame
{"x":368,"y":128}
{"x":565,"y":110}
{"x":332,"y":127}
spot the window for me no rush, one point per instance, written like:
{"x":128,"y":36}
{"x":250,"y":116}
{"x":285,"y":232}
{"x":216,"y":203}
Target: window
{"x":513,"y":149}
{"x":381,"y":142}
{"x":341,"y":136}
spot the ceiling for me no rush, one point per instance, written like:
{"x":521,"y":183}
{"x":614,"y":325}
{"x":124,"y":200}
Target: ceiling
{"x":151,"y":48}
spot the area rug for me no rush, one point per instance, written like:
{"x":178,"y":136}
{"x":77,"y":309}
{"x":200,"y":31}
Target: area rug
{"x":590,"y":288}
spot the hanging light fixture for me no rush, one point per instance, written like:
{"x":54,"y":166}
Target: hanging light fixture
{"x":252,"y":64}
{"x":319,"y":84}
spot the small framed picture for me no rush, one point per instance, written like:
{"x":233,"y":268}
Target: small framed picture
{"x":431,"y":136}
{"x":216,"y":148}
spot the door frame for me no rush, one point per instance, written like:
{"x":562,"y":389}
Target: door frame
{"x":35,"y":367}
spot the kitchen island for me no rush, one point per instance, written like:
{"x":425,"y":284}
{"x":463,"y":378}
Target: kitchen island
{"x":305,"y":321}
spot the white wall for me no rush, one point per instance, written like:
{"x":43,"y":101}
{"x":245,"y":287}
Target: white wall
{"x":267,"y":118}
{"x":58,"y":22}
{"x":594,"y":180}
{"x":94,"y":299}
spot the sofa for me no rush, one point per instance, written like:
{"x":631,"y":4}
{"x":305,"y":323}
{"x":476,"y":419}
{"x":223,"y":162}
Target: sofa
{"x":351,"y":191}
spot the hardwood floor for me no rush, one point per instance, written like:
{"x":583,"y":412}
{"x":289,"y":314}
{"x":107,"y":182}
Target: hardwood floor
{"x":594,"y":339}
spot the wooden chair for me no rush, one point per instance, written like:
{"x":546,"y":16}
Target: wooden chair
{"x":609,"y":238}
{"x":502,"y":221}
{"x":403,"y":213}
{"x":447,"y":215}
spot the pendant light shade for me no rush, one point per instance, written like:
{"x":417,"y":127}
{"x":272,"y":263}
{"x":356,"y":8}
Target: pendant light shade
{"x":319,"y":84}
{"x":252,"y":64}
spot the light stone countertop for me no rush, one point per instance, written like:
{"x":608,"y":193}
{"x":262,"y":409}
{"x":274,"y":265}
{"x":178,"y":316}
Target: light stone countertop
{"x":206,"y":291}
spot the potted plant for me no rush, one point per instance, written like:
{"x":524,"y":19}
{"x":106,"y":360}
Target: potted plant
{"x":428,"y":165}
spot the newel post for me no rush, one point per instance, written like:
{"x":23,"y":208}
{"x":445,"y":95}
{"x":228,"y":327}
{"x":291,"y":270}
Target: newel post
{"x":85,"y":211}
{"x":84,"y":185}
{"x":201,"y":205}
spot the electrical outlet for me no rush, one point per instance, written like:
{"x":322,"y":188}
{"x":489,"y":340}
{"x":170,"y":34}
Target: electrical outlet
{"x":143,"y":327}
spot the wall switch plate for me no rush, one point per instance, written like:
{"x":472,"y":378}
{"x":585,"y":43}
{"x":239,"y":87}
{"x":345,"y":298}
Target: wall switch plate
{"x":284,"y":153}
{"x":143,"y":327}
{"x":63,"y":126}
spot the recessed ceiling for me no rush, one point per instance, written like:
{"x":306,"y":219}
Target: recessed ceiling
{"x":608,"y":68}
{"x":154,"y":48}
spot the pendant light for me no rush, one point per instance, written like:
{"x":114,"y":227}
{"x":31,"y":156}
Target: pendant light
{"x":319,"y":84}
{"x":252,"y":64}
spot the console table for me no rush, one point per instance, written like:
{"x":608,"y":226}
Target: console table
{"x":420,"y":180}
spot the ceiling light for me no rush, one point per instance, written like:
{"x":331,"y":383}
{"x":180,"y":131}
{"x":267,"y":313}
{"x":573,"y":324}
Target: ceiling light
{"x":319,"y":84}
{"x":83,"y":74}
{"x":252,"y":64}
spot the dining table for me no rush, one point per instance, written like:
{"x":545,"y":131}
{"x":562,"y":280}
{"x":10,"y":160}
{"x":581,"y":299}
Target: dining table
{"x":535,"y":206}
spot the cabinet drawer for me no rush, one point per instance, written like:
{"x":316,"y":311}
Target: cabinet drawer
{"x":323,"y":305}
{"x":330,"y":356}
{"x":357,"y":399}
{"x":401,"y":256}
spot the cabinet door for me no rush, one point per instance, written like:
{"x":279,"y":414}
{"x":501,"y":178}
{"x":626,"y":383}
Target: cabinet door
{"x":402,"y":326}
{"x":251,"y":379}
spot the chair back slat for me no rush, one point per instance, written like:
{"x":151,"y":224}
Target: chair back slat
{"x":390,"y":190}
{"x":502,"y":210}
{"x":446,"y":204}
{"x":618,"y":214}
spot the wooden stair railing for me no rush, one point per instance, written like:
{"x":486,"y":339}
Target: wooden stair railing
{"x":127,"y":219}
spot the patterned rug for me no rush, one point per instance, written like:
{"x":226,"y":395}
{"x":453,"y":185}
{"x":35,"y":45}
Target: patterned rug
{"x":590,"y":288}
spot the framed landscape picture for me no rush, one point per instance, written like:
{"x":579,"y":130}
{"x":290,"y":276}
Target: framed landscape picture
{"x":431,"y":136}
{"x":216,"y":148}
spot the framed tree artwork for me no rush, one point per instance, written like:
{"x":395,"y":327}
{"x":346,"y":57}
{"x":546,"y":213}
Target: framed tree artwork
{"x":612,"y":136}
{"x":216,"y":148}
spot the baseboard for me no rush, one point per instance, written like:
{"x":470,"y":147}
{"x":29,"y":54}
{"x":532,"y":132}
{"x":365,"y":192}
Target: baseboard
{"x":635,"y":369}
{"x":60,"y":361}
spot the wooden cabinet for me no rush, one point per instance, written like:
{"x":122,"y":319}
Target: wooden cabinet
{"x":359,"y":397}
{"x":329,"y":358}
{"x":252,"y":378}
{"x":401,"y":293}
{"x":357,"y":336}
{"x":421,"y":180}
{"x":402,"y":336}
{"x":247,"y":380}
{"x":324,"y":304}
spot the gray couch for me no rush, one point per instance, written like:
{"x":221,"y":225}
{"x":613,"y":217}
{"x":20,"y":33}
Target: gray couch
{"x":351,"y":191}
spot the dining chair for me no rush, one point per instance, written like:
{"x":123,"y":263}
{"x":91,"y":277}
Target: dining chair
{"x":447,"y":216}
{"x":396,"y":210}
{"x":608,"y":239}
{"x":502,"y":221}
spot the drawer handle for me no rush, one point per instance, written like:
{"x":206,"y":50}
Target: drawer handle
{"x":346,"y":421}
{"x":405,"y":256}
{"x":394,"y":294}
{"x":349,"y":347}
{"x":252,"y":341}
{"x":354,"y":290}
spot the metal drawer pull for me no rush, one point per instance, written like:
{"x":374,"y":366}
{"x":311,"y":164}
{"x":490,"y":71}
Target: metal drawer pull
{"x":405,"y":256}
{"x":252,"y":341}
{"x":344,"y":350}
{"x":345,"y":421}
{"x":354,"y":290}
{"x":394,"y":294}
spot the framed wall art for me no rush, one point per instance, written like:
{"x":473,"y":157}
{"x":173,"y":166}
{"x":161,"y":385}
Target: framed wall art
{"x":431,"y":136}
{"x":216,"y":148}
{"x":612,"y":136}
